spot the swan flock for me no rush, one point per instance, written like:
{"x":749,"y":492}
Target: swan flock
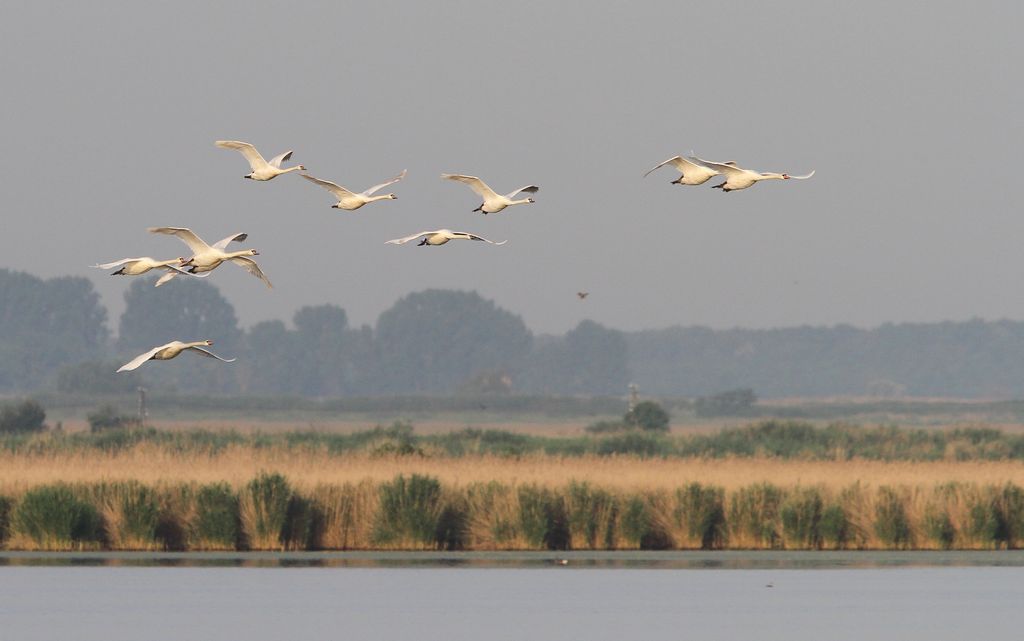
{"x":206,"y":258}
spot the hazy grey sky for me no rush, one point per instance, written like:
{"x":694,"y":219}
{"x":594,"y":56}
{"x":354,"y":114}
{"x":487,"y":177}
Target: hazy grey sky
{"x":909,"y":112}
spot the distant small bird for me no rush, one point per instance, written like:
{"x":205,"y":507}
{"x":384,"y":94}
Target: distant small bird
{"x":493,"y":202}
{"x":440,"y":237}
{"x":582,"y":295}
{"x":261,"y":169}
{"x":692,"y":173}
{"x":769,"y":585}
{"x":169,"y":351}
{"x":562,"y":561}
{"x":142,"y":265}
{"x":737,"y":178}
{"x":350,"y":200}
{"x":206,"y":258}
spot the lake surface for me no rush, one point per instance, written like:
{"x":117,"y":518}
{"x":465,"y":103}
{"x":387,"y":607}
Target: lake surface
{"x":615,"y":597}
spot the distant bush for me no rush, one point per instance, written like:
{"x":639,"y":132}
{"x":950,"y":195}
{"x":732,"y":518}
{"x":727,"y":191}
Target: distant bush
{"x":264,"y":511}
{"x":217,"y":522}
{"x":54,"y":518}
{"x":737,"y":402}
{"x":22,"y":416}
{"x":107,"y":417}
{"x":647,"y":415}
{"x":605,"y":427}
{"x":409,"y":511}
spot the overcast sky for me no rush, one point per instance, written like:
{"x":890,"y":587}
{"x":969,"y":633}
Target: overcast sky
{"x":909,"y":112}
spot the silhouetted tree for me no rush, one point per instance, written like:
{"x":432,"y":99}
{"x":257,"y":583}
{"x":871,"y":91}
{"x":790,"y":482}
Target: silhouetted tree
{"x":45,"y":324}
{"x":431,"y":341}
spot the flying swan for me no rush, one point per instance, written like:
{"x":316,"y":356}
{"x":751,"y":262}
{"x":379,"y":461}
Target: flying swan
{"x":206,"y":258}
{"x":692,"y":173}
{"x":261,"y":169}
{"x":493,"y":202}
{"x":739,"y":178}
{"x":440,"y":237}
{"x":139,"y":266}
{"x":169,"y":351}
{"x":349,"y":200}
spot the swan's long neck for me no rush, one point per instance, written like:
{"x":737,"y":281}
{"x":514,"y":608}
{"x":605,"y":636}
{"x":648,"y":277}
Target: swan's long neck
{"x":195,"y":344}
{"x":165,"y":263}
{"x":245,"y":253}
{"x":770,"y":176}
{"x":521,"y":201}
{"x":371,"y":199}
{"x":295,"y":168}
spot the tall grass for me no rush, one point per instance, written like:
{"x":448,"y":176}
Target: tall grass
{"x":421,"y":512}
{"x":264,"y":511}
{"x":53,"y":517}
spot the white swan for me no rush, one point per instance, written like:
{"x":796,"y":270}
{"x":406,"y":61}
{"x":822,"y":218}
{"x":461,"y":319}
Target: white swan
{"x":139,"y":266}
{"x":169,"y":351}
{"x":206,"y":258}
{"x":739,"y":178}
{"x":440,"y":237}
{"x":261,"y":169}
{"x":493,"y":202}
{"x":692,"y":173}
{"x":350,"y":200}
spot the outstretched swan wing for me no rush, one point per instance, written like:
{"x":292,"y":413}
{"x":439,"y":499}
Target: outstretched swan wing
{"x":477,"y":185}
{"x":140,"y":359}
{"x":402,"y":241}
{"x":530,"y":189}
{"x":186,"y":235}
{"x":372,"y":190}
{"x":210,"y":354}
{"x":117,"y":263}
{"x":334,"y":188}
{"x":251,"y":267}
{"x":475,"y":237}
{"x":224,"y":242}
{"x":277,"y":160}
{"x":253,"y":157}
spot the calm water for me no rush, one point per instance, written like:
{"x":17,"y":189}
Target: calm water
{"x":446,"y":598}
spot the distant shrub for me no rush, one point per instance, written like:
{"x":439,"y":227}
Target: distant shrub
{"x":263,"y":507}
{"x":22,"y":416}
{"x":702,"y":510}
{"x":640,"y":526}
{"x":131,"y":512}
{"x":217,"y":521}
{"x":409,"y":511}
{"x":754,"y":516}
{"x":604,"y":427}
{"x":643,"y":444}
{"x":737,"y":402}
{"x":593,"y":515}
{"x":647,"y":415}
{"x":892,"y":526}
{"x":52,"y":517}
{"x":543,"y":519}
{"x":6,"y":505}
{"x":106,"y":417}
{"x":802,"y":513}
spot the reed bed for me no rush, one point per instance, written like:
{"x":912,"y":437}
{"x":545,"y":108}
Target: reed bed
{"x":417,"y":512}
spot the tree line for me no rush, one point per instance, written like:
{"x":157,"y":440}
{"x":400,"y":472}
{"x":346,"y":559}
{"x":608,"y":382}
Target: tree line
{"x":54,"y":334}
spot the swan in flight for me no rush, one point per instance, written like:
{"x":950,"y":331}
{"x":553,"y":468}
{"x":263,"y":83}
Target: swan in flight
{"x":493,"y":202}
{"x":350,"y":200}
{"x":440,"y":237}
{"x":261,"y":169}
{"x":169,"y":351}
{"x":206,"y":258}
{"x":139,"y":266}
{"x":739,"y":178}
{"x":692,"y":173}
